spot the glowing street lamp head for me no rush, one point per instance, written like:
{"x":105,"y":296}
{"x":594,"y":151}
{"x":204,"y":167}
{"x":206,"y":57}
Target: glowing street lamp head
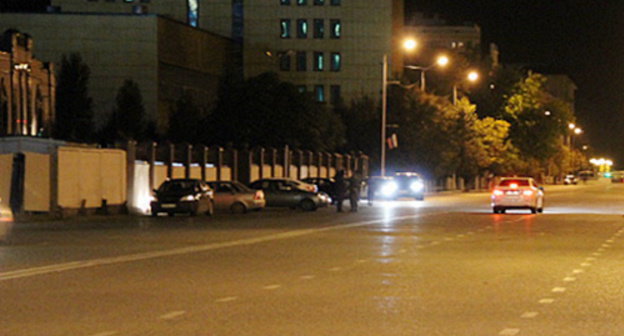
{"x":571,"y":126}
{"x":578,"y":131}
{"x":473,"y":76}
{"x":442,"y":61}
{"x":410,"y":44}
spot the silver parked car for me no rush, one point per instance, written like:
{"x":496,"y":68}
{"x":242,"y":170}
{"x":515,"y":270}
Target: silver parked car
{"x":6,"y":222}
{"x":285,"y":192}
{"x":236,"y":197}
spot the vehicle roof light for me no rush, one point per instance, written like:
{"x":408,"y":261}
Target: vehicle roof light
{"x":514,"y":185}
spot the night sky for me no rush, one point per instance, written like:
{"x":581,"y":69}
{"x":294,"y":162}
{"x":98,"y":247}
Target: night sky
{"x":584,"y":39}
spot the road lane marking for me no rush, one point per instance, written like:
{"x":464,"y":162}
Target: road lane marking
{"x":272,"y":287}
{"x":335,"y":269}
{"x":74,"y":265}
{"x":509,"y":332}
{"x":558,"y":289}
{"x":306,"y":277}
{"x":596,"y":254}
{"x":227,"y":299}
{"x":361,"y":261}
{"x":600,"y":250}
{"x":569,"y":279}
{"x":106,"y":333}
{"x":546,"y":301}
{"x":448,"y":239}
{"x":610,"y":241}
{"x":433,"y":243}
{"x":172,"y":315}
{"x":528,"y":315}
{"x":585,"y":264}
{"x":578,"y":271}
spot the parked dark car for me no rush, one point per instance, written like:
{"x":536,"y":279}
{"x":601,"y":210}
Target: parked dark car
{"x":285,"y":192}
{"x":190,"y":196}
{"x":236,"y":197}
{"x":328,"y":186}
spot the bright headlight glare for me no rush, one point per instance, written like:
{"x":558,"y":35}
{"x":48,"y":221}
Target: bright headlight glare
{"x":417,"y":186}
{"x":389,"y":188}
{"x":188,"y":198}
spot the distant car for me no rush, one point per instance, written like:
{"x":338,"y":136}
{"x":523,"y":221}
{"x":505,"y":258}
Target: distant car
{"x":285,"y":192}
{"x":190,"y":196}
{"x":410,"y":184}
{"x":570,"y":179}
{"x":379,"y":187}
{"x":236,"y":197}
{"x":328,"y":186}
{"x":517,"y":193}
{"x":617,"y":177}
{"x":6,"y":222}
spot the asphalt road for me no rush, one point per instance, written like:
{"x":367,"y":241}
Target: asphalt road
{"x":445,"y":266}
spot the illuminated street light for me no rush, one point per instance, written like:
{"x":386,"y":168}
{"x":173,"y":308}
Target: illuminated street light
{"x":547,"y":113}
{"x":472,"y":77}
{"x":410,"y":44}
{"x":578,"y":131}
{"x":441,"y":61}
{"x":571,"y":126}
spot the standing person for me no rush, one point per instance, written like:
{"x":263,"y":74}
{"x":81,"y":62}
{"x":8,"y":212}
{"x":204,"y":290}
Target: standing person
{"x":340,"y":189}
{"x":355,"y":182}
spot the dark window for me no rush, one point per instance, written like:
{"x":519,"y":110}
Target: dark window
{"x":319,"y":93}
{"x":302,"y":2}
{"x":145,"y":1}
{"x":336,"y":28}
{"x":336,"y":62}
{"x":302,"y":28}
{"x":335,"y":2}
{"x":319,"y":28}
{"x":237,"y":20}
{"x":302,"y":64}
{"x":334,"y":92}
{"x":301,"y":88}
{"x":284,"y":61}
{"x":319,"y":61}
{"x":285,"y":2}
{"x":319,"y":2}
{"x":285,"y":28}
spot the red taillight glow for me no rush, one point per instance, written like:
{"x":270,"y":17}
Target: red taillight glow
{"x":498,"y":192}
{"x":527,"y":192}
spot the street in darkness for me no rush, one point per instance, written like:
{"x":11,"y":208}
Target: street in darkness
{"x":445,"y":266}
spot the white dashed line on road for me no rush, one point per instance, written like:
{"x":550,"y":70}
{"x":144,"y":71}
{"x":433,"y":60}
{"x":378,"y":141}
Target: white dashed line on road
{"x":578,"y":271}
{"x":272,"y":287}
{"x":590,"y":259}
{"x":509,"y":332}
{"x":569,"y":279}
{"x":546,"y":301}
{"x":172,"y":315}
{"x":306,"y":277}
{"x":106,"y":333}
{"x":361,"y":261}
{"x":558,"y":289}
{"x":335,"y":269}
{"x":529,"y":315}
{"x":596,"y":254}
{"x":227,"y":299}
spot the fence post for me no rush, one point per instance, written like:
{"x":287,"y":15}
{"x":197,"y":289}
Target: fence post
{"x":188,"y":159}
{"x":170,"y":159}
{"x":286,"y":161}
{"x":204,"y":161}
{"x":130,"y":168}
{"x":152,"y":162}
{"x":219,"y":154}
{"x":299,"y":164}
{"x":273,"y":161}
{"x":261,"y":159}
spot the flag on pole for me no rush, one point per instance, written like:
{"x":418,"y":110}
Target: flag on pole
{"x":392,"y":141}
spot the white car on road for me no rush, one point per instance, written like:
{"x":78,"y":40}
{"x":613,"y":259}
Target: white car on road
{"x":517,"y":193}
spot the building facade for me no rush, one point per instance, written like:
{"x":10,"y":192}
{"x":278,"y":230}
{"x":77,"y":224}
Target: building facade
{"x":27,"y":88}
{"x":166,"y":58}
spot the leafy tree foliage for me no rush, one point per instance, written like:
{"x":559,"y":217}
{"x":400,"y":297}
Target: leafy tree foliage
{"x":74,"y":106}
{"x":127,"y":121}
{"x":185,"y":121}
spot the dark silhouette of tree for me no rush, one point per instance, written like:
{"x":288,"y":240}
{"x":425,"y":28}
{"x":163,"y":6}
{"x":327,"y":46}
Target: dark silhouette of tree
{"x":184,"y":120}
{"x":74,"y":106}
{"x":127,"y":121}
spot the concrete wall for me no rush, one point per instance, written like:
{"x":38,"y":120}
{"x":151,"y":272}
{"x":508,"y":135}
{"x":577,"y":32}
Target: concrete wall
{"x":91,"y":175}
{"x":37,"y":182}
{"x":6,"y":170}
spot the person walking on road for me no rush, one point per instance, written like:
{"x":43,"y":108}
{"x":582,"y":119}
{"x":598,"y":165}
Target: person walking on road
{"x":355,"y":183}
{"x":341,"y":187}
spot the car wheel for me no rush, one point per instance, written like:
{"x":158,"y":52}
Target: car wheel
{"x":170,"y":214}
{"x":502,"y":210}
{"x":154,"y":213}
{"x":533,"y":210}
{"x":496,"y":210}
{"x":540,"y":210}
{"x":308,"y":205}
{"x":238,"y":208}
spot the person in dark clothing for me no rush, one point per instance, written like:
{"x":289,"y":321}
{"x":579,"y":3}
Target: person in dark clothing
{"x":341,"y":188}
{"x":355,"y":183}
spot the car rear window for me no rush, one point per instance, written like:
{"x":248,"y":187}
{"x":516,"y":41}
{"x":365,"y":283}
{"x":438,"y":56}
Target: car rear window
{"x":176,"y":186}
{"x":520,"y":183}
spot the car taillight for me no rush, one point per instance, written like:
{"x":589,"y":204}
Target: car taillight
{"x":527,"y":192}
{"x":498,"y":192}
{"x":259,"y":195}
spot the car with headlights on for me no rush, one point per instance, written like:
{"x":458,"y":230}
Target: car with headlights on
{"x":328,"y":186}
{"x":570,"y":179}
{"x":236,"y":197}
{"x":409,"y":184}
{"x":192,"y":196}
{"x":6,"y":222}
{"x":291,"y":193}
{"x":517,"y":193}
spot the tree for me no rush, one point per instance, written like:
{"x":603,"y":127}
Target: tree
{"x":127,"y":121}
{"x":185,"y":120}
{"x":74,"y":106}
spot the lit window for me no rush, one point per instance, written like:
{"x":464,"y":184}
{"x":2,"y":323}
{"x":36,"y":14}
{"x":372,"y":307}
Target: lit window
{"x":285,"y":28}
{"x":334,"y":94}
{"x":193,"y":12}
{"x":335,"y":2}
{"x":285,"y":2}
{"x":284,"y":61}
{"x":319,"y":28}
{"x":319,"y":60}
{"x":319,"y":2}
{"x":319,"y":93}
{"x":302,"y":64}
{"x":302,"y":2}
{"x":128,"y":1}
{"x":302,"y":28}
{"x":336,"y":62}
{"x":301,"y":88}
{"x":336,"y":28}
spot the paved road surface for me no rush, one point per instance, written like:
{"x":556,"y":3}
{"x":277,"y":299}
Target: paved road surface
{"x":446,"y":266}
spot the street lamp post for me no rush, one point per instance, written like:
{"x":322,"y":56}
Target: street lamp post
{"x":384,"y":107}
{"x":441,"y":61}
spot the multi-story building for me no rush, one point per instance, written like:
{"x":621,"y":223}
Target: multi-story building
{"x":27,"y":88}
